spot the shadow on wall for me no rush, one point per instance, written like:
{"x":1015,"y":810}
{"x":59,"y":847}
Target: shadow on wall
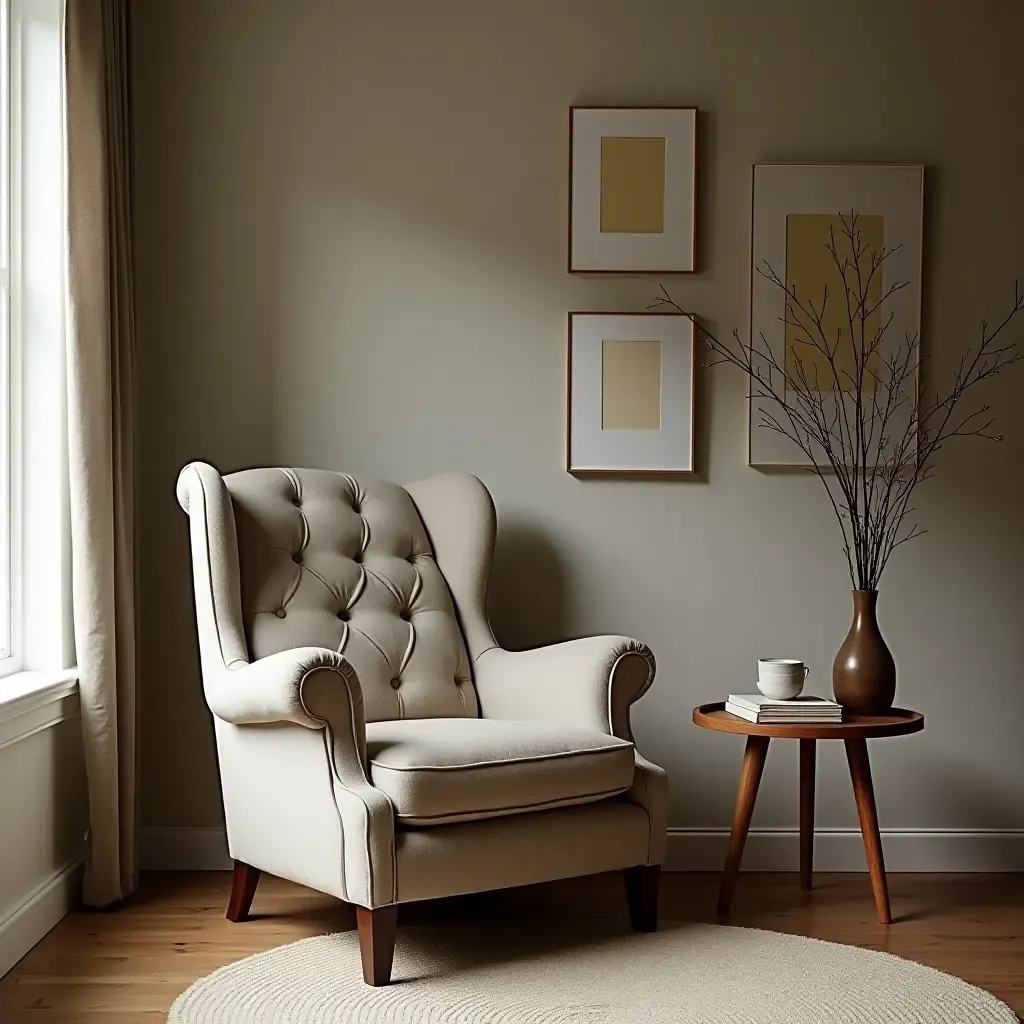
{"x":527,"y":598}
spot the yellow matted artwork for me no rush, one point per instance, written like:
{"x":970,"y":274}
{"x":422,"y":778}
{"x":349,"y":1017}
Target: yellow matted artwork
{"x":633,"y":184}
{"x":810,"y":269}
{"x":630,"y":385}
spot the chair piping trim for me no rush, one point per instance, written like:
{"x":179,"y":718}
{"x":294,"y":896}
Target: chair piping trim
{"x":355,"y":744}
{"x":622,"y":745}
{"x":209,"y":569}
{"x":513,"y":809}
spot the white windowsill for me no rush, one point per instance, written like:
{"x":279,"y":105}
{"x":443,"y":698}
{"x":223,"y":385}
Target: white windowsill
{"x":23,"y":692}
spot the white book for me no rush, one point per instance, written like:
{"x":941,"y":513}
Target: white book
{"x":777,"y":719}
{"x":782,"y":717}
{"x":741,"y":712}
{"x":797,"y":719}
{"x":773,"y":713}
{"x":804,"y":703}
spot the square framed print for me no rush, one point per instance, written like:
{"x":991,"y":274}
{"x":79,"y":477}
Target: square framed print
{"x":800,"y":236}
{"x":632,"y":189}
{"x":629,"y":402}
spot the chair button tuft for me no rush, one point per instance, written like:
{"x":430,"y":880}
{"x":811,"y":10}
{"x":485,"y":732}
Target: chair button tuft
{"x":297,"y":558}
{"x":280,"y":613}
{"x":343,"y":615}
{"x":396,"y":683}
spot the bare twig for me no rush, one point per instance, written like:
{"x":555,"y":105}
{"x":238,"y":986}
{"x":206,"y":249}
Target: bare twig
{"x":868,"y":437}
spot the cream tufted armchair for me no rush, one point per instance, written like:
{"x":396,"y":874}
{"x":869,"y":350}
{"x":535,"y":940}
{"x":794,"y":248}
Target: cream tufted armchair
{"x":374,"y":741}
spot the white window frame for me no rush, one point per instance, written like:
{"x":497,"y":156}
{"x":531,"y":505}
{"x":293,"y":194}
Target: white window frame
{"x":8,"y":499}
{"x":35,"y":533}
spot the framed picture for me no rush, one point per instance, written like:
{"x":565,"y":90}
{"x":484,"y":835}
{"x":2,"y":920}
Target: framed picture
{"x":798,"y":216}
{"x":629,"y":404}
{"x":632,"y":189}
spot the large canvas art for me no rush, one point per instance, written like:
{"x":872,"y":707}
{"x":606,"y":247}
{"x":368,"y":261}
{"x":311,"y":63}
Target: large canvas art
{"x":799,"y":241}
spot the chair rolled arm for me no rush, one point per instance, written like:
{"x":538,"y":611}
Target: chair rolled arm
{"x":317,"y":688}
{"x":589,"y":682}
{"x":308,"y":686}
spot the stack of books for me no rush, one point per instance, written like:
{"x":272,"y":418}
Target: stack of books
{"x":805,"y":710}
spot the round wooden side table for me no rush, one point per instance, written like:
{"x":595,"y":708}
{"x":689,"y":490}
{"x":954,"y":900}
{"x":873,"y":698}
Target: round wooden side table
{"x":855,"y":731}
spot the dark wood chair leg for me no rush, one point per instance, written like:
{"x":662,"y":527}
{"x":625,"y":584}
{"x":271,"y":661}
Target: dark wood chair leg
{"x":642,"y":884}
{"x":243,"y":888}
{"x":750,"y":778}
{"x":807,"y":765}
{"x":864,"y":793}
{"x":377,"y":942}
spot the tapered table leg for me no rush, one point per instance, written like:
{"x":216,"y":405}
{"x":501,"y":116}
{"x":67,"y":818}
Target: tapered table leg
{"x":807,"y":765}
{"x":864,"y":793}
{"x":750,"y":778}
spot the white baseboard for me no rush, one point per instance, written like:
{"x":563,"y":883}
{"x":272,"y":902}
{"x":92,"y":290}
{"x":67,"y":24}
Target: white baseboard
{"x":24,"y":924}
{"x":843,"y":850}
{"x":691,"y":849}
{"x":172,"y":848}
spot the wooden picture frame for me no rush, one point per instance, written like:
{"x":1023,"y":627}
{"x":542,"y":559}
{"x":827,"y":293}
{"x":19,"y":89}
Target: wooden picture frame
{"x":630,"y":394}
{"x":632,"y":190}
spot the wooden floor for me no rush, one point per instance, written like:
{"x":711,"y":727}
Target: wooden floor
{"x":129,"y":964}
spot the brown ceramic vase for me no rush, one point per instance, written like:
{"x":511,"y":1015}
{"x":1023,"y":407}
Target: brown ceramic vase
{"x":864,"y":674}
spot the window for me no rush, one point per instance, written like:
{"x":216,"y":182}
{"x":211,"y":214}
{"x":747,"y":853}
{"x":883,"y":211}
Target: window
{"x":7,"y":660}
{"x":34,"y":532}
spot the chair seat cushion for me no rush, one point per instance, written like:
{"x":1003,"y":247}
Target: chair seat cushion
{"x":439,"y":770}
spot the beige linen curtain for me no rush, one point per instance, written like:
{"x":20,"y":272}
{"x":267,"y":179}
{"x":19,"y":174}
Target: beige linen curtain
{"x":101,"y":425}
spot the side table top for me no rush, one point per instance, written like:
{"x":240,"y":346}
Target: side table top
{"x":895,"y":722}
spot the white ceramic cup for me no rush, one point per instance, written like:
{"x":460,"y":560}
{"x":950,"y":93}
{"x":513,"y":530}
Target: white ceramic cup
{"x":781,"y":678}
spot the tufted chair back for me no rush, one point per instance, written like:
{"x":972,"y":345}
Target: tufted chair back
{"x":329,"y":561}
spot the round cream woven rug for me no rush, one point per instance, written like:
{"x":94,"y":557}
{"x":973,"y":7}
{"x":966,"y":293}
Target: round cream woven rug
{"x":585,"y":974}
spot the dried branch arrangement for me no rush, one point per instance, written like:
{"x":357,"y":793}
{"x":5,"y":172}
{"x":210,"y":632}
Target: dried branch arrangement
{"x":848,"y":398}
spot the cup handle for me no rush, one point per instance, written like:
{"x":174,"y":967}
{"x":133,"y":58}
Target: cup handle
{"x":807,"y":669}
